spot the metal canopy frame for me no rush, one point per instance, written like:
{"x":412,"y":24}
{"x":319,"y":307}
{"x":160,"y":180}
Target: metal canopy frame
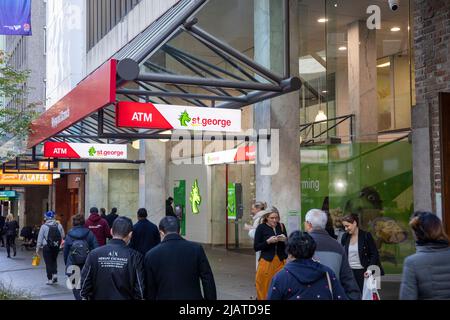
{"x":140,"y":79}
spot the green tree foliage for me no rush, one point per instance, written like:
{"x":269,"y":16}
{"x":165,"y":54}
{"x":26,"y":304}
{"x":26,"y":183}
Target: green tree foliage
{"x":15,"y":116}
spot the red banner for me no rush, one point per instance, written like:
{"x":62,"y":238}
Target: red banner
{"x":140,"y":115}
{"x":93,"y":93}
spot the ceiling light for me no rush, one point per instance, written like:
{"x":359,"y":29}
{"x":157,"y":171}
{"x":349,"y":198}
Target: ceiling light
{"x":320,"y":117}
{"x":383,"y":65}
{"x":343,"y":48}
{"x":135,"y":144}
{"x":165,"y":132}
{"x":324,"y":91}
{"x":395,"y":29}
{"x":322,"y":20}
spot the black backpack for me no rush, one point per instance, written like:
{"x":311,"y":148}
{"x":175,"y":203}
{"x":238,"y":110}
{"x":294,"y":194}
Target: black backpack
{"x":79,"y":251}
{"x":54,"y":237}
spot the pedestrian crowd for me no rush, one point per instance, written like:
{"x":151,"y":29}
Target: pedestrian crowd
{"x":117,"y":260}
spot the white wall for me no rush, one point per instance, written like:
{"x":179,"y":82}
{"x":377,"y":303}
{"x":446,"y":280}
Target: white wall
{"x":198,"y":226}
{"x":66,"y":47}
{"x":131,"y":25}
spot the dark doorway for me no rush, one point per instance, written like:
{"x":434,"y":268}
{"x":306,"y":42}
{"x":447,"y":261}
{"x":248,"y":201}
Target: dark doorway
{"x":444,"y":106}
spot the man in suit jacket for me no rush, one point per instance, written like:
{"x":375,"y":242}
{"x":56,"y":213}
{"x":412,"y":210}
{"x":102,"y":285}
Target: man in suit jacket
{"x":174,"y":267}
{"x":145,"y":233}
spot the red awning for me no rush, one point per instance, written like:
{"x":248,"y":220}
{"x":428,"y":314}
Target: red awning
{"x":93,"y":93}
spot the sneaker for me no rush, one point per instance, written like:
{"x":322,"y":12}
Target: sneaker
{"x":55,"y":279}
{"x":49,"y":282}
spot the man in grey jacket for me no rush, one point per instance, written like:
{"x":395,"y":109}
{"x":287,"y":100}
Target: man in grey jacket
{"x":49,"y":239}
{"x":330,"y":253}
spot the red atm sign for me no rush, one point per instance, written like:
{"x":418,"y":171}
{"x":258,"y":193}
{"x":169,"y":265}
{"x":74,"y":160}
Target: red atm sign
{"x":140,"y":115}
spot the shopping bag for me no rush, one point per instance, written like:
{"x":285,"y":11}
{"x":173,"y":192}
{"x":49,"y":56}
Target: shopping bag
{"x":36,"y":260}
{"x":370,"y":291}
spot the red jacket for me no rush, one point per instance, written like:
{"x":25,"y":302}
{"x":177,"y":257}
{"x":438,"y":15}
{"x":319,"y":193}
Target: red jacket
{"x":99,"y":228}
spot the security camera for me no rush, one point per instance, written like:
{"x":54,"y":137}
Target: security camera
{"x":394,"y":4}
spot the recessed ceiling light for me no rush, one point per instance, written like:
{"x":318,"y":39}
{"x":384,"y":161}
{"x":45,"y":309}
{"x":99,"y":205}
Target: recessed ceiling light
{"x":395,"y":29}
{"x":322,"y":20}
{"x":387,"y":64}
{"x":343,"y":48}
{"x":335,"y":5}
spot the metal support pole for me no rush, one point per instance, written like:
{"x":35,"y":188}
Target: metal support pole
{"x":226,"y":206}
{"x":287,"y":43}
{"x":100,"y":122}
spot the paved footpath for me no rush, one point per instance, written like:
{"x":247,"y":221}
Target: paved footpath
{"x":234,"y":274}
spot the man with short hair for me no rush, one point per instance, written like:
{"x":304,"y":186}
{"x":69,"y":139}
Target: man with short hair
{"x":330,"y":253}
{"x":174,"y":267}
{"x":98,"y":226}
{"x":114,"y":271}
{"x":145,"y":233}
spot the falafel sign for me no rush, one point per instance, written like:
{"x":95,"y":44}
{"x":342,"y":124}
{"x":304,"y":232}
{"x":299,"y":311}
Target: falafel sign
{"x":161,"y":116}
{"x":84,"y":150}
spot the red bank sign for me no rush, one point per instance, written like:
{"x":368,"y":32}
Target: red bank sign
{"x":84,"y":150}
{"x":161,"y":116}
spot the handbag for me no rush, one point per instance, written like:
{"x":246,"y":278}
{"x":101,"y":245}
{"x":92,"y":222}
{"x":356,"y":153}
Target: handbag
{"x":36,"y":260}
{"x":370,"y":291}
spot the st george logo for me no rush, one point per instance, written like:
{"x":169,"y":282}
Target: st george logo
{"x":92,"y":151}
{"x":184,"y":119}
{"x":195,"y":198}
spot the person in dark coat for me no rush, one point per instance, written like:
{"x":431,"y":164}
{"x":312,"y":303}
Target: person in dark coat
{"x":11,"y":229}
{"x":169,"y":208}
{"x":175,"y":267}
{"x":98,"y":226}
{"x":303,"y":278}
{"x":114,"y":271}
{"x":111,"y":217}
{"x":426,"y":274}
{"x":360,"y":249}
{"x":103,"y":213}
{"x":2,"y":224}
{"x":75,"y":235}
{"x":145,"y":233}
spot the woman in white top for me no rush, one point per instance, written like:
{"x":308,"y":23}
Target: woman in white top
{"x":360,"y":248}
{"x":257,"y":211}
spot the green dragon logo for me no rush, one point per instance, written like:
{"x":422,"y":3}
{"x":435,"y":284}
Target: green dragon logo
{"x":92,"y":151}
{"x":195,"y":198}
{"x":184,"y":119}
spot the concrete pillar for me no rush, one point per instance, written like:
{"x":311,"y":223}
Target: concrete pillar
{"x":96,"y":187}
{"x":362,"y":80}
{"x":281,"y":189}
{"x":152,"y":178}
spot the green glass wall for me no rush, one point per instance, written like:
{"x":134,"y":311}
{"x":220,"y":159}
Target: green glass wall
{"x":373,"y":180}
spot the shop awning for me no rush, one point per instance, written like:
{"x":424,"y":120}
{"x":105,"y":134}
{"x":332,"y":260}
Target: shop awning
{"x":87,"y":113}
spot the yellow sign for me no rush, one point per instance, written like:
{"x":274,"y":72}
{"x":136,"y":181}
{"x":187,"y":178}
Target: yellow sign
{"x":43,"y":165}
{"x":25,"y":178}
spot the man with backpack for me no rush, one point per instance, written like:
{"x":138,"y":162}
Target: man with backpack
{"x":50,"y":237}
{"x":79,"y":242}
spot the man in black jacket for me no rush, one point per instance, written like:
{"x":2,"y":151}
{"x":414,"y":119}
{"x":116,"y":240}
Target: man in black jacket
{"x":145,"y":233}
{"x":174,"y":267}
{"x":114,"y":271}
{"x":110,"y":218}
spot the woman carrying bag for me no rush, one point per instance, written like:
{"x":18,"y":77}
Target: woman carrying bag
{"x":270,"y":238}
{"x":360,"y":248}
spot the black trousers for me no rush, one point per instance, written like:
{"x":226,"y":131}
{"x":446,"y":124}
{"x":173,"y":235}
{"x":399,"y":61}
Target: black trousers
{"x":359,"y":277}
{"x":10,"y":243}
{"x":50,"y":258}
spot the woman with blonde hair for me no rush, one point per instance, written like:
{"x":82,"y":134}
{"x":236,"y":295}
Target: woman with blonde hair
{"x":270,"y":238}
{"x":11,"y":230}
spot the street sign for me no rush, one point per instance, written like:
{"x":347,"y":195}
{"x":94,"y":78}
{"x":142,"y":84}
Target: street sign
{"x":161,"y":116}
{"x":25,"y":178}
{"x":84,"y":150}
